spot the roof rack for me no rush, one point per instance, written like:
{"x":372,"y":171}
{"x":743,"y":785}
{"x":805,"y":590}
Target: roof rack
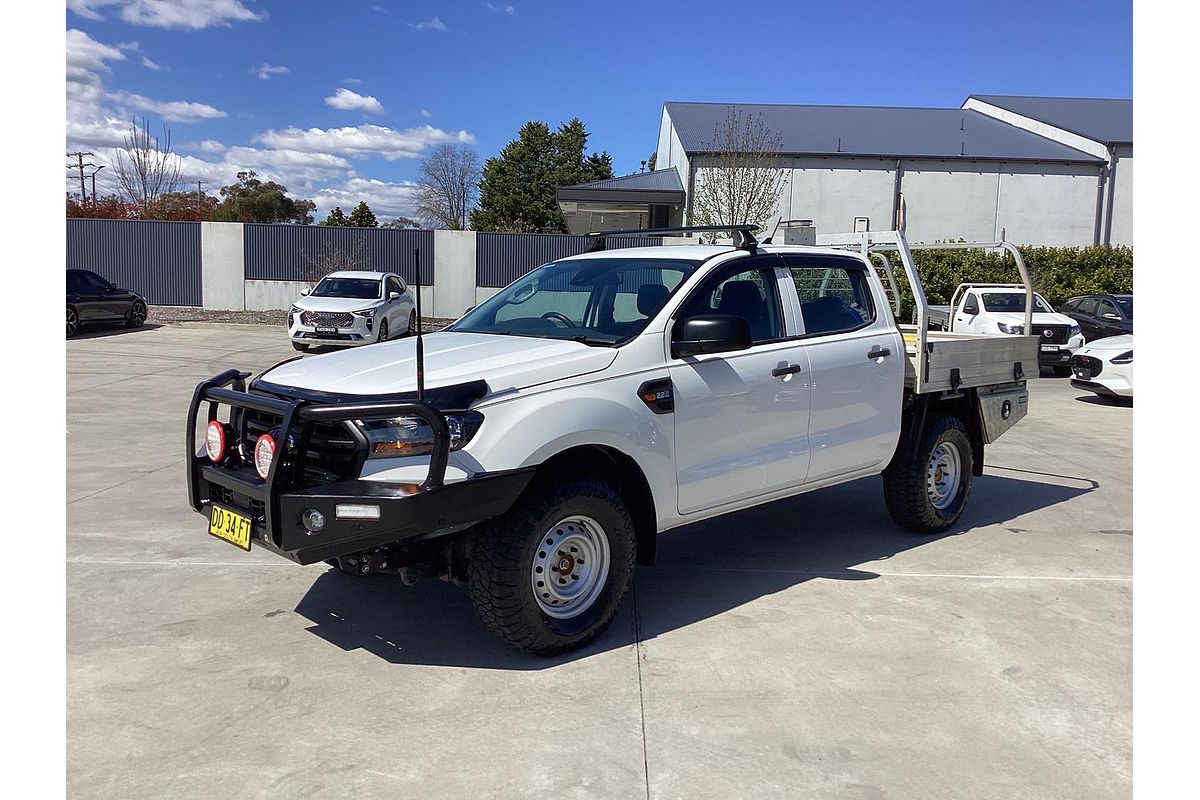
{"x":743,"y":234}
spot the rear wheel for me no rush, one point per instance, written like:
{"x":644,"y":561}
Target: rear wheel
{"x":926,"y":492}
{"x":72,"y":321}
{"x":549,"y":576}
{"x":137,"y":315}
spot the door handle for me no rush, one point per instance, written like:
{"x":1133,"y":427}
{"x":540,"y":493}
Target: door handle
{"x":790,"y":369}
{"x":878,"y":352}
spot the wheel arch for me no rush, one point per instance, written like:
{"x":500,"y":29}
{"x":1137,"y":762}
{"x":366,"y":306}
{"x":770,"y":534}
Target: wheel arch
{"x":624,"y":474}
{"x":964,"y":406}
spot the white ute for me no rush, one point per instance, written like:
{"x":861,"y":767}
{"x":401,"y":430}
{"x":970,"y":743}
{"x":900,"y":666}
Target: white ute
{"x":535,"y":448}
{"x":998,"y":309}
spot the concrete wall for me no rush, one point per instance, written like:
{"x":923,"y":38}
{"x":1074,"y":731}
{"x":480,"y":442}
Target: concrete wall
{"x":1122,"y":201}
{"x":454,"y":268}
{"x":222,"y":267}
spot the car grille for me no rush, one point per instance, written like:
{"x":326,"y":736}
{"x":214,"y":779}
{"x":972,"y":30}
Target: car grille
{"x":332,"y":452}
{"x":332,"y":319}
{"x":1085,"y":367}
{"x":1053,"y":334}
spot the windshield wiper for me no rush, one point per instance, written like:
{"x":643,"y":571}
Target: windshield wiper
{"x":588,"y":340}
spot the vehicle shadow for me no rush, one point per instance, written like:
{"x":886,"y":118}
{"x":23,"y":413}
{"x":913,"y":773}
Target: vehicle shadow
{"x":1097,"y":400}
{"x":100,"y":330}
{"x":703,"y":570}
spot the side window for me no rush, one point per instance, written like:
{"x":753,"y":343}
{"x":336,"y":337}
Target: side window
{"x":1070,"y":306}
{"x":1087,"y":306}
{"x":74,"y":284}
{"x":92,"y":283}
{"x":1106,"y":307}
{"x":393,"y":285}
{"x":833,"y":299}
{"x":752,"y":295}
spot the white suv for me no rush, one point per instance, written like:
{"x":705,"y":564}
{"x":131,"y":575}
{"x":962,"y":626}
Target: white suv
{"x":353,"y":307}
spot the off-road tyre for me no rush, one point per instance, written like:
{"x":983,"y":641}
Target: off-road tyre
{"x":905,"y":489}
{"x":501,"y":554}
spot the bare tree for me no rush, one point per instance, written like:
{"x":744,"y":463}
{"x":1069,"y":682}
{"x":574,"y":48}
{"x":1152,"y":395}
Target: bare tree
{"x":448,"y":186}
{"x":331,"y":258}
{"x":745,"y":178}
{"x":146,"y":169}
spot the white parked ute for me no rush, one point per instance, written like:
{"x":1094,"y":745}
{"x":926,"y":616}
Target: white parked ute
{"x":352,"y":307}
{"x":998,"y":309}
{"x":536,"y":448}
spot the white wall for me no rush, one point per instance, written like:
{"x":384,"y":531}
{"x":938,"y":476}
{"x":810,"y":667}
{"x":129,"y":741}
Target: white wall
{"x":832,"y":192}
{"x":1122,"y":220}
{"x":222,"y":266}
{"x":1047,"y":204}
{"x":453,"y":272}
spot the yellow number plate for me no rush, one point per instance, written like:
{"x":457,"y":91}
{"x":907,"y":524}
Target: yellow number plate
{"x":230,"y":526}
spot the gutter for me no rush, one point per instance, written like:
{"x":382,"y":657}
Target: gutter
{"x":1112,"y":183}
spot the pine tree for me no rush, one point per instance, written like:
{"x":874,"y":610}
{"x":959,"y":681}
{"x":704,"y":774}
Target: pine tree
{"x":362,"y":217}
{"x":336,"y":217}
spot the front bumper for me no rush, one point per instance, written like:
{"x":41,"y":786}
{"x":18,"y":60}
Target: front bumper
{"x":360,"y":331}
{"x":407,"y":512}
{"x":1057,"y":358}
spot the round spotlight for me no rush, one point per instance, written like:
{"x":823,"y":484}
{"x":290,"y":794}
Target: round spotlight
{"x":313,"y":520}
{"x":264,"y":451}
{"x":214,"y":442}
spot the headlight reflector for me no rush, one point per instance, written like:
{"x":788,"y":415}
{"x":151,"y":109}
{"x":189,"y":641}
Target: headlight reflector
{"x":1014,"y":329}
{"x":411,"y":436}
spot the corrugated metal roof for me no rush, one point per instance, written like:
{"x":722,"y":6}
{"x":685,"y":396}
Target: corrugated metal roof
{"x":882,"y":131}
{"x":1109,"y":121}
{"x":659,"y":180}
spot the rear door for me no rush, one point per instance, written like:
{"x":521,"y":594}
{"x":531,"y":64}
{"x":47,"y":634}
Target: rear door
{"x":856,"y":364}
{"x":741,"y":418}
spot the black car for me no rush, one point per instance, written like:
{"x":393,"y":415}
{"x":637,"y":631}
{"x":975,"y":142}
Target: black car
{"x":1101,"y":315}
{"x":91,"y":299}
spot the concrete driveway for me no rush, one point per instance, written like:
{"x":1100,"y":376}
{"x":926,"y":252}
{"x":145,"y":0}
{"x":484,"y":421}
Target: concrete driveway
{"x":807,"y":648}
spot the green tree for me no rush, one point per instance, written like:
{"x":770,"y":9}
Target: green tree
{"x":517,"y":191}
{"x":401,"y":223}
{"x":252,"y":200}
{"x":335,"y":218}
{"x":362,"y":216}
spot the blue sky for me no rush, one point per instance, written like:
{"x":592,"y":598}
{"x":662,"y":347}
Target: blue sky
{"x":338,"y":100}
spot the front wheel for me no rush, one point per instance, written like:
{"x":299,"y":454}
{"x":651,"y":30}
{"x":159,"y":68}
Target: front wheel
{"x":926,"y":491}
{"x":412,"y":324}
{"x":549,"y":576}
{"x":72,"y":321}
{"x":137,"y":315}
{"x":383,"y":331}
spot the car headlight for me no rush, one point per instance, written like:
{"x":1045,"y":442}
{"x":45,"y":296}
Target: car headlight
{"x":366,"y":312}
{"x":1075,"y":331}
{"x":1015,"y":329}
{"x":1124,"y":358}
{"x":412,"y":436}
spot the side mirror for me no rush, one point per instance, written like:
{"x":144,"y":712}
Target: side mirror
{"x":711,"y":333}
{"x":469,"y":309}
{"x":393,"y":295}
{"x":971,"y":309}
{"x":305,"y":292}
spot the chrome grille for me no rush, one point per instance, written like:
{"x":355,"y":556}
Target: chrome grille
{"x":331,"y":319}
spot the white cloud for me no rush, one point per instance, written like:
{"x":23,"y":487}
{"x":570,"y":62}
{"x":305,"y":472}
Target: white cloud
{"x":387,"y":200}
{"x":347,"y":100}
{"x":267,"y":71}
{"x":380,"y":9}
{"x":351,"y":80}
{"x":171,"y":111}
{"x":85,"y":53}
{"x":187,"y":14}
{"x":495,"y":8}
{"x":148,"y":64}
{"x":362,"y":141}
{"x":434,"y":24}
{"x":426,"y":113}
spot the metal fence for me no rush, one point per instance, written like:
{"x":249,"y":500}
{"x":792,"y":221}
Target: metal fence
{"x":298,"y":252}
{"x":158,"y":260}
{"x":501,"y":258}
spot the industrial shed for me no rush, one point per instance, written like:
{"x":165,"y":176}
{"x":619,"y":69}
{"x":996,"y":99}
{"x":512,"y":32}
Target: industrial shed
{"x":968,"y":173}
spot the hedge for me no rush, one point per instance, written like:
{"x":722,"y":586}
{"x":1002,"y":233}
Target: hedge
{"x":1058,"y":273}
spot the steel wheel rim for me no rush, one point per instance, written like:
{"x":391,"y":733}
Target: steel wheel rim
{"x":137,"y":314}
{"x":943,"y":476}
{"x":570,"y":567}
{"x":72,"y":322}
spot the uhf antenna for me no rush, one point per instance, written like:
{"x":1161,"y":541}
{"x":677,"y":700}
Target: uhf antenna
{"x":420,"y":343}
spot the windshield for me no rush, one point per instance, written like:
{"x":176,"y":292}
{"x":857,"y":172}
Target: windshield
{"x":1014,"y":301}
{"x":598,"y":301}
{"x":357,"y":288}
{"x":1126,"y":304}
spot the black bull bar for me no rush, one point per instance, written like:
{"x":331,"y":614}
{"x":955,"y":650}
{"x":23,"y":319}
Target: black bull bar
{"x":407,"y":511}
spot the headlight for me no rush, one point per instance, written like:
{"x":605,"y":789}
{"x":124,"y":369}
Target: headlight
{"x":366,"y":312}
{"x":411,"y":436}
{"x":1075,"y":331}
{"x":1016,"y":329}
{"x":1124,"y":358}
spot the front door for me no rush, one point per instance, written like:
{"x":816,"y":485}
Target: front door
{"x":741,"y":418}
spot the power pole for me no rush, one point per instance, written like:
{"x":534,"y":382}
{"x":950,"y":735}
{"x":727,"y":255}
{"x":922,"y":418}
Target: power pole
{"x":93,"y":177}
{"x":78,"y":156}
{"x":199,"y":192}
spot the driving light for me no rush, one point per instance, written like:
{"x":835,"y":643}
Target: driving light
{"x":313,"y":520}
{"x":214,"y":441}
{"x":1014,"y":329}
{"x":411,"y":436}
{"x":264,"y":452}
{"x":1124,"y":358}
{"x":352,"y":511}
